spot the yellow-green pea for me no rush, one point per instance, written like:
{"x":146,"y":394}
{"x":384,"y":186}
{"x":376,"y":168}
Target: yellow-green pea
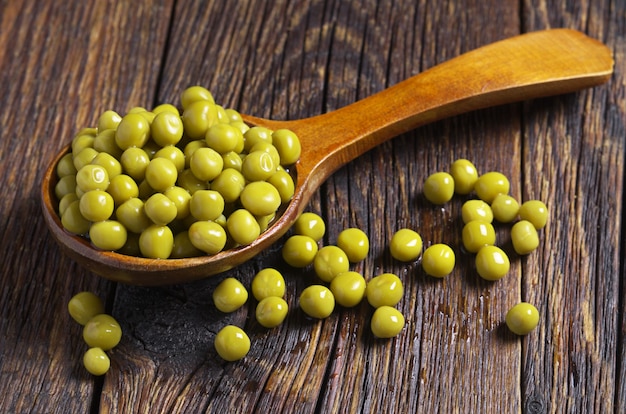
{"x":522,"y":318}
{"x":384,"y":289}
{"x":406,"y":245}
{"x":102,"y":331}
{"x":133,"y":130}
{"x":258,"y":166}
{"x":490,"y":184}
{"x":232,"y":343}
{"x":229,"y":295}
{"x":299,"y":250}
{"x":183,"y":247}
{"x":96,"y":205}
{"x":82,"y":141}
{"x":73,"y":221}
{"x":166,"y":128}
{"x":83,"y":306}
{"x":181,"y":199}
{"x":387,"y":322}
{"x":310,"y":224}
{"x":108,"y":120}
{"x":232,"y":160}
{"x":122,"y":188}
{"x":438,"y":260}
{"x":65,"y":185}
{"x":109,"y":163}
{"x":256,"y":134}
{"x":161,"y":174}
{"x":348,"y":288}
{"x":132,"y":214}
{"x":105,"y":142}
{"x":156,"y":242}
{"x":208,"y":236}
{"x":268,"y":282}
{"x":524,"y":237}
{"x":190,"y":182}
{"x":534,"y":211}
{"x":198,"y":117}
{"x":492,"y":263}
{"x":84,"y":157}
{"x":477,"y":234}
{"x":270,"y":149}
{"x":283,"y":182}
{"x":193,"y":94}
{"x":355,"y":243}
{"x":476,"y":210}
{"x":464,"y":174}
{"x":165,"y":107}
{"x":260,"y":198}
{"x":317,"y":301}
{"x":229,"y":183}
{"x":160,"y":209}
{"x":173,"y":154}
{"x":96,"y":361}
{"x":206,"y":205}
{"x":92,"y":177}
{"x":505,"y":208}
{"x":242,"y":227}
{"x":271,"y":311}
{"x":330,"y":261}
{"x":65,"y":201}
{"x":108,"y":235}
{"x":224,"y":138}
{"x":134,"y":163}
{"x":233,"y":115}
{"x":66,"y":166}
{"x":288,"y":146}
{"x":439,"y":188}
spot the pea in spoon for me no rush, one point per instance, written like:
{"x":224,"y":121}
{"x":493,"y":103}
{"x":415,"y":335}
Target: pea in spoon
{"x":527,"y":66}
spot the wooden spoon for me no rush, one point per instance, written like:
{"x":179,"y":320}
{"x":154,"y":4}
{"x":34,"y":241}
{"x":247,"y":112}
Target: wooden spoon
{"x":528,"y":66}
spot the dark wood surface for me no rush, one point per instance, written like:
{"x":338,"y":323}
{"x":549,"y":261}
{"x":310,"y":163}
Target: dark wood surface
{"x":63,"y":63}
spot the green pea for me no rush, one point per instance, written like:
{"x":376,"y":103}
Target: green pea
{"x":108,"y":235}
{"x":132,"y":214}
{"x":105,"y":142}
{"x":288,"y":146}
{"x":96,"y":361}
{"x":96,"y":205}
{"x":256,"y":134}
{"x":330,"y":261}
{"x":181,"y":199}
{"x":310,"y":224}
{"x":102,"y":331}
{"x":268,"y":282}
{"x":166,"y":128}
{"x":243,"y":227}
{"x":134,"y":163}
{"x":83,"y":306}
{"x":406,"y":245}
{"x":317,"y":301}
{"x":229,"y":295}
{"x":161,"y":174}
{"x":385,"y":289}
{"x":122,"y":188}
{"x":183,"y":247}
{"x":160,"y":209}
{"x":355,"y":243}
{"x":299,"y":251}
{"x":73,"y":221}
{"x":271,"y":311}
{"x":198,"y":117}
{"x":206,"y":205}
{"x":66,"y":166}
{"x":108,"y":120}
{"x":193,"y":94}
{"x":230,"y":183}
{"x":206,"y":164}
{"x":132,"y":131}
{"x":207,"y":236}
{"x":260,"y":198}
{"x":173,"y":154}
{"x":156,"y":242}
{"x":258,"y":166}
{"x":283,"y":182}
{"x":224,"y":138}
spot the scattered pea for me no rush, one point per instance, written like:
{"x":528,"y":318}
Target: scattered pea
{"x":384,"y":289}
{"x":406,"y":245}
{"x":348,"y":288}
{"x":102,"y":331}
{"x":330,"y":261}
{"x":229,"y":295}
{"x":232,"y":343}
{"x":477,"y":234}
{"x":299,"y":251}
{"x":490,"y":184}
{"x":271,"y":311}
{"x":438,"y":260}
{"x":387,"y":322}
{"x":317,"y":301}
{"x":268,"y":282}
{"x":465,"y":175}
{"x":310,"y":224}
{"x":534,"y":211}
{"x":439,"y":188}
{"x":522,"y":318}
{"x":355,"y":243}
{"x":476,"y":210}
{"x":96,"y":361}
{"x":492,"y":263}
{"x":505,"y":208}
{"x":524,"y":237}
{"x":83,"y":306}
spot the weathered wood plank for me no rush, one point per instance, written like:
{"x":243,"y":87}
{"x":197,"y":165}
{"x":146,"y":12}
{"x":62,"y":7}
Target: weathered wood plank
{"x":574,"y":152}
{"x":61,"y":64}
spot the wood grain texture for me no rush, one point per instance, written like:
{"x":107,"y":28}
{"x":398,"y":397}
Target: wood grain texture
{"x":62,"y":63}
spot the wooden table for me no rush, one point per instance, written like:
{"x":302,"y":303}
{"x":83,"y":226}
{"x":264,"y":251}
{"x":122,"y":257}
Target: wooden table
{"x":64,"y":62}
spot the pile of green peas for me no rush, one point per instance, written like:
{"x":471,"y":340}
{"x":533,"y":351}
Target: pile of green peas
{"x":101,"y":332}
{"x":170,"y":183}
{"x":492,"y":202}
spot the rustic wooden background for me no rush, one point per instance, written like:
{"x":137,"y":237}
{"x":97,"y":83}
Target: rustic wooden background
{"x":64,"y":62}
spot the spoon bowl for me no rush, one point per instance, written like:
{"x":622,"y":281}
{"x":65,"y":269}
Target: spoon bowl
{"x":528,"y":66}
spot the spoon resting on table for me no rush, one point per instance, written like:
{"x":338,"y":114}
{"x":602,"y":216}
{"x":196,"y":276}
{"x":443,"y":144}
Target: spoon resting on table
{"x":528,"y":66}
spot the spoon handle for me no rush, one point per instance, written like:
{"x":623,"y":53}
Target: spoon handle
{"x":523,"y":67}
